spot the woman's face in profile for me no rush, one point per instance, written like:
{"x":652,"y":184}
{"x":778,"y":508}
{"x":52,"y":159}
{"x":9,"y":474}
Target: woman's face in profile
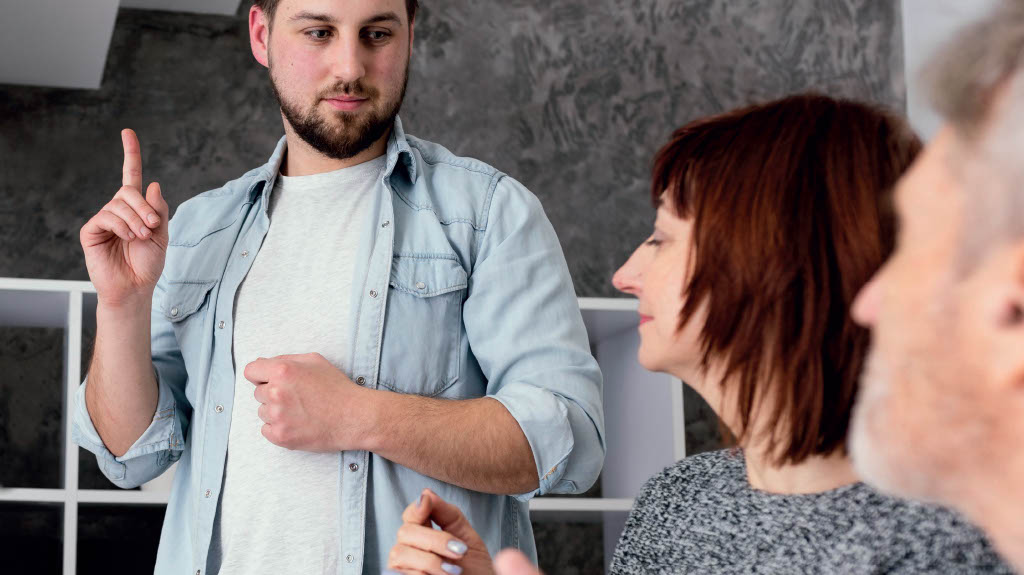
{"x":656,"y":274}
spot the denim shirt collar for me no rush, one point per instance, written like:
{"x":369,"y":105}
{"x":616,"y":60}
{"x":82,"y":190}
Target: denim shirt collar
{"x":398,"y":150}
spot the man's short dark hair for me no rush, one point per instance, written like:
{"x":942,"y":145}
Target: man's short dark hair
{"x":269,"y":7}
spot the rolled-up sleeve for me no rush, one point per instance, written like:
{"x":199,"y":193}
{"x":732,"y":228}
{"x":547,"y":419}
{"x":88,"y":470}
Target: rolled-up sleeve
{"x":526,"y":331}
{"x":164,"y":440}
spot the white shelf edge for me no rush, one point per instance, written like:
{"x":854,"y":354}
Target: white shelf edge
{"x":607,"y":304}
{"x":121,"y":497}
{"x":31,"y":284}
{"x":581,"y":504}
{"x":678,"y":418}
{"x":23,"y":284}
{"x":72,"y":360}
{"x":30,"y":495}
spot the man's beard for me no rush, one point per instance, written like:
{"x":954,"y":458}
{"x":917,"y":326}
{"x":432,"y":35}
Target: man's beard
{"x":357,"y":132}
{"x":895,"y":436}
{"x":873,"y":446}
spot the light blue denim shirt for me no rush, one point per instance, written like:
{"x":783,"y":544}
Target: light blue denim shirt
{"x":467,"y":294}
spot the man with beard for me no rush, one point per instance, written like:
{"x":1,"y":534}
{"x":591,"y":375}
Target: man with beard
{"x":941,"y":412}
{"x":316,"y":342}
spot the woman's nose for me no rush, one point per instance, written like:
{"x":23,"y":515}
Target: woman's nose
{"x":628,"y":277}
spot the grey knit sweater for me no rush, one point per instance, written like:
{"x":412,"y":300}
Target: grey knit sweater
{"x":701,"y":516}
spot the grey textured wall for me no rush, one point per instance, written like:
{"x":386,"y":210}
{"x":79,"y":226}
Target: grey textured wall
{"x":570,"y":97}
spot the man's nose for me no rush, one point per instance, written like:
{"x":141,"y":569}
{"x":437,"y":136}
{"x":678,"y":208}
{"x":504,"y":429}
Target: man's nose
{"x":348,"y":60}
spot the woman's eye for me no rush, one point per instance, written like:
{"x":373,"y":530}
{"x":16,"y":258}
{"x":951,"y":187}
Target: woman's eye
{"x":653,"y":242}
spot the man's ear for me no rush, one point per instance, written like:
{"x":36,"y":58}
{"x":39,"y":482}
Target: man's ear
{"x":1008,"y":328}
{"x":259,"y":35}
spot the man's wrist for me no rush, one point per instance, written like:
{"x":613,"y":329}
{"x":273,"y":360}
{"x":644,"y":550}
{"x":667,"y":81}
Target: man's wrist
{"x":374,"y":407}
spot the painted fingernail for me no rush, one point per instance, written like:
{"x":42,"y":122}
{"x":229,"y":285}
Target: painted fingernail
{"x":449,"y":568}
{"x":423,"y":498}
{"x":153,"y":219}
{"x":457,"y":547}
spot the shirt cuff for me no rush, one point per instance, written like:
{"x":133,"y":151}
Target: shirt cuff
{"x":544,"y":420}
{"x":164,"y":434}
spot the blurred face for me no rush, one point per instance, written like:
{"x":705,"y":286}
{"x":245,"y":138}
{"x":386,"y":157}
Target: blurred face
{"x":338,"y":67}
{"x":943,"y":391}
{"x":656,"y":274}
{"x":907,"y":306}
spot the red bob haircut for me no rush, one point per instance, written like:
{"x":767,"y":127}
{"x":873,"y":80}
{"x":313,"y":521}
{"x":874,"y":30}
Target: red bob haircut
{"x":792,"y":215}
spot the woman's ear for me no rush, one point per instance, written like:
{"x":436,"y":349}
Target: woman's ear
{"x":259,"y":35}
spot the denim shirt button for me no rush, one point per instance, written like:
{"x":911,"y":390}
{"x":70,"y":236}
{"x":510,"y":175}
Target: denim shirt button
{"x":353,"y":467}
{"x":373,"y":293}
{"x":361,"y":380}
{"x":349,"y":558}
{"x":421,"y":285}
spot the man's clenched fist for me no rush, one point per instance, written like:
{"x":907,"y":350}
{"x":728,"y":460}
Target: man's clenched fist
{"x":307,"y":404}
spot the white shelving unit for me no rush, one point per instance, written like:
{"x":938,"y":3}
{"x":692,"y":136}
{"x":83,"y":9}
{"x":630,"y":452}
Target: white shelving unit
{"x":644,"y":423}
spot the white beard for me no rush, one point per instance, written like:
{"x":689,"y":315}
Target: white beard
{"x":878,"y":448}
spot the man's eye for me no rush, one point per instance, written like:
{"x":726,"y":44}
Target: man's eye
{"x":377,"y":35}
{"x":319,"y":34}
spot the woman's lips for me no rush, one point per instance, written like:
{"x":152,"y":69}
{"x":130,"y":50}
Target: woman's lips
{"x":346,"y":104}
{"x":645,"y":318}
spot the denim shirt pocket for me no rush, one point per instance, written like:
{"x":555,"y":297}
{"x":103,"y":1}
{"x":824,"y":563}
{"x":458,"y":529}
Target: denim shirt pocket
{"x":185,"y":307}
{"x":423,"y":324}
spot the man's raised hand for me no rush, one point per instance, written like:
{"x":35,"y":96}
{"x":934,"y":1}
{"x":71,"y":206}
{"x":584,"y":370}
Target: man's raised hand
{"x":126,"y":241}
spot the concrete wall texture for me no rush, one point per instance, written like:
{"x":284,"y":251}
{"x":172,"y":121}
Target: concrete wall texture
{"x":572,"y":98}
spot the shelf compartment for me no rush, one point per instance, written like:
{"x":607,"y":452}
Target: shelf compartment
{"x":31,"y":537}
{"x":569,"y":547}
{"x":128,"y":532}
{"x":32,"y":401}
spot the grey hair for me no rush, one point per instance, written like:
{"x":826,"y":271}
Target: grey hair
{"x":977,"y":84}
{"x":966,"y":74}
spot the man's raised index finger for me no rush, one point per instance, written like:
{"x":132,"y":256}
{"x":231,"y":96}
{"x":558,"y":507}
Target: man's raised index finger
{"x":131,"y":175}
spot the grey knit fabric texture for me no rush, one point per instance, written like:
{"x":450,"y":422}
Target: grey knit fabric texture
{"x":701,"y":516}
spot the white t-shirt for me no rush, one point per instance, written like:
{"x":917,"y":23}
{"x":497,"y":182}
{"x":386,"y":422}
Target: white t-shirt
{"x":279,"y":510}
